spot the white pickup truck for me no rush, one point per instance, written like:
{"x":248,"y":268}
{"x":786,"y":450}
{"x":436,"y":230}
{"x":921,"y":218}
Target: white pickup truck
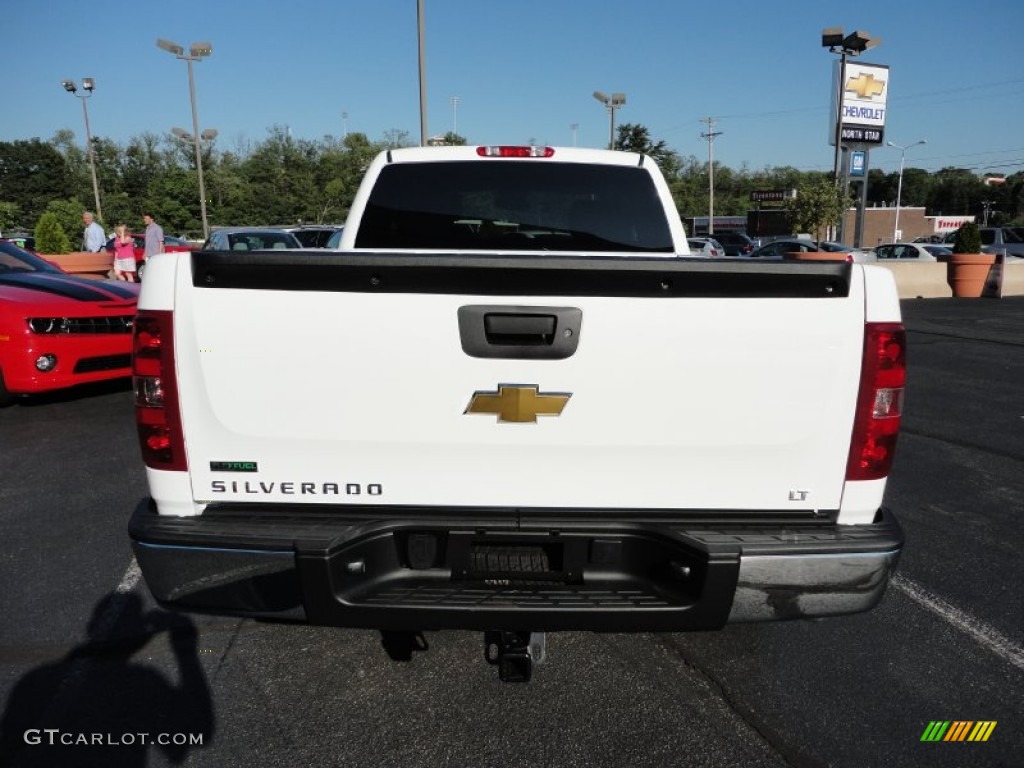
{"x":513,"y":402}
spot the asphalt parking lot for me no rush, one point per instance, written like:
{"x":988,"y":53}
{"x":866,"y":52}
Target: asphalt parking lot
{"x":84,"y":652}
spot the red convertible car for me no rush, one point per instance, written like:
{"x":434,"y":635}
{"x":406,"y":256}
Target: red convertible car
{"x":57,"y":330}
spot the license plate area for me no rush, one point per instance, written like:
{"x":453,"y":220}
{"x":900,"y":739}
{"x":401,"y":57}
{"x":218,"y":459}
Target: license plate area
{"x":510,"y":563}
{"x":524,"y":558}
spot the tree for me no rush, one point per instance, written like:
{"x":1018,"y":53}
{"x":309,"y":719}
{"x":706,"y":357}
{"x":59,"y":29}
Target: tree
{"x":69,"y":216}
{"x":956,"y":191}
{"x":395,"y":139}
{"x":636,"y":138}
{"x":141,"y":162}
{"x":50,"y":235}
{"x":10,"y":215}
{"x":282,"y":174}
{"x":31,"y":174}
{"x":819,"y":204}
{"x":689,"y":189}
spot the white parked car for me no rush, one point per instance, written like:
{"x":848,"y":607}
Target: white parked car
{"x":705,"y":246}
{"x":914,"y":251}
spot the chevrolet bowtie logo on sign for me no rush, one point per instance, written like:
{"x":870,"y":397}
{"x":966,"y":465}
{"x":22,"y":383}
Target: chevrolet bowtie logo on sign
{"x":865,"y":86}
{"x":518,"y":403}
{"x":958,"y":730}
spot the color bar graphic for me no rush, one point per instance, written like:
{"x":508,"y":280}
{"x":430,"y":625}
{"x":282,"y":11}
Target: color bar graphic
{"x":958,"y":730}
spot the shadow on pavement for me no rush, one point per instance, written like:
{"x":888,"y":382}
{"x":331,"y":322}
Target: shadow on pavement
{"x":98,"y":706}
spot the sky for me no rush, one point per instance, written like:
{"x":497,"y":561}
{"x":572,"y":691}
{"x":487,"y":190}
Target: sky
{"x":522,"y":71}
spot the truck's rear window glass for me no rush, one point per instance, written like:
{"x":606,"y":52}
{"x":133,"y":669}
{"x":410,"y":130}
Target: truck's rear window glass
{"x":514,"y":205}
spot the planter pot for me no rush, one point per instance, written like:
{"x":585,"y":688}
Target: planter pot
{"x":815,"y":256}
{"x":82,"y":263}
{"x":966,"y":273}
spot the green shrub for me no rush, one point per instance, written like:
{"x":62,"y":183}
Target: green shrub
{"x":819,"y":204}
{"x":968,"y":239}
{"x":50,"y":236}
{"x":69,"y":215}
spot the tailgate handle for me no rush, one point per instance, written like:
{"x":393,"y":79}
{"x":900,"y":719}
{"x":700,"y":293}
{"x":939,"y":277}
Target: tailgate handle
{"x":519,"y":332}
{"x":525,"y":329}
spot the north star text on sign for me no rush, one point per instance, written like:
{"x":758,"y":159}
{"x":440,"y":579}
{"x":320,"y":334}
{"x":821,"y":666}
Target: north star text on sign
{"x":864,"y":113}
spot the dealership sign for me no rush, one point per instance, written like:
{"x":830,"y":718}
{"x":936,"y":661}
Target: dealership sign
{"x":865,"y":92}
{"x":858,"y":161}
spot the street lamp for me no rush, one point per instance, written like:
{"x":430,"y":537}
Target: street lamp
{"x":196,"y":53}
{"x":899,"y":185}
{"x":611,"y":103}
{"x":208,"y":135}
{"x":88,"y":86}
{"x":853,"y":44}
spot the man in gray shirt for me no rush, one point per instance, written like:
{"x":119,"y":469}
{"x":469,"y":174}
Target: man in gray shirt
{"x":154,"y":237}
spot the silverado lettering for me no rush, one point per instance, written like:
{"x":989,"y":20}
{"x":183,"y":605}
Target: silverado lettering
{"x":475,"y":289}
{"x":335,"y":489}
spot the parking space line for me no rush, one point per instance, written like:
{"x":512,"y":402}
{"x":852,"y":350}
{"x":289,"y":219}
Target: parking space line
{"x":130,"y":579}
{"x":986,"y":636}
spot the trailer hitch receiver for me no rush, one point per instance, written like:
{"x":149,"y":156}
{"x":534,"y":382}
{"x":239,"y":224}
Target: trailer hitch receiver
{"x":514,"y":653}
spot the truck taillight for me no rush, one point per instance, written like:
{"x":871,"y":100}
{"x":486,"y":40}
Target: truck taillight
{"x":510,"y":151}
{"x":879,"y":403}
{"x":156,"y":391}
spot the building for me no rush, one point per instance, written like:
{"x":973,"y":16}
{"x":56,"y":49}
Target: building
{"x":880,"y":225}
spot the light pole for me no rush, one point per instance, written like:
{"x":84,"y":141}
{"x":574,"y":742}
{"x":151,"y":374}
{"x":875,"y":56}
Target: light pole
{"x":88,"y":86}
{"x":710,"y":136}
{"x":196,"y":53}
{"x":852,"y":44}
{"x":611,"y":103}
{"x":574,"y":127}
{"x":899,"y":185}
{"x":455,"y":115}
{"x":420,"y":36}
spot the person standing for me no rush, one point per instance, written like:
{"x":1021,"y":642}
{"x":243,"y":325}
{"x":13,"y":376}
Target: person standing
{"x":124,"y":254}
{"x":94,"y":236}
{"x":154,"y":240}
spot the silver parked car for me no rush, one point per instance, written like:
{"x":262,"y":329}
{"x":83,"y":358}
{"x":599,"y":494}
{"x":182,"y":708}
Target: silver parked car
{"x":250,"y":239}
{"x":777,"y":249}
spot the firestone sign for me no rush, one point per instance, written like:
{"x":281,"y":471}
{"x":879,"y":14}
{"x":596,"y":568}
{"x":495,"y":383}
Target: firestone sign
{"x":772,"y":195}
{"x":865,"y":92}
{"x":946,"y":224}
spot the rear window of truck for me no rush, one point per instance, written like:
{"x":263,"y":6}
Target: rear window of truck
{"x":511,"y":205}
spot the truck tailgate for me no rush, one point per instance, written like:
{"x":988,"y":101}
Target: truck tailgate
{"x":693,"y":385}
